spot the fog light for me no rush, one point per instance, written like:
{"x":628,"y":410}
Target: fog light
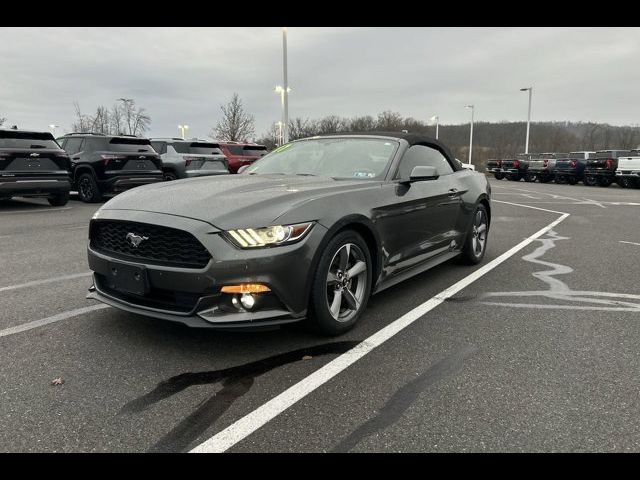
{"x":248,"y":301}
{"x":245,"y":288}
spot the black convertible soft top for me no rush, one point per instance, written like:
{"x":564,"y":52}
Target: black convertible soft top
{"x":411,"y":138}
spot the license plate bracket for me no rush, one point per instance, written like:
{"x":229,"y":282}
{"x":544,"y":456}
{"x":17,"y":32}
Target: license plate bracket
{"x":128,"y":278}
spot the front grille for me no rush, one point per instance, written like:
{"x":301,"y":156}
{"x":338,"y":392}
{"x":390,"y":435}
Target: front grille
{"x":163,"y":245}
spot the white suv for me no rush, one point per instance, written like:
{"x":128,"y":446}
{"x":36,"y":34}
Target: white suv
{"x":628,"y":171}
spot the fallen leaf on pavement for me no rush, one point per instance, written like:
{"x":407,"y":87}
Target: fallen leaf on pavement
{"x":57,"y":381}
{"x":307,"y":357}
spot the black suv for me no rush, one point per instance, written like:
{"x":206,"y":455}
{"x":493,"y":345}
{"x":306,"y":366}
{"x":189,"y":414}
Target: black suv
{"x":32,"y":164}
{"x":110,"y":163}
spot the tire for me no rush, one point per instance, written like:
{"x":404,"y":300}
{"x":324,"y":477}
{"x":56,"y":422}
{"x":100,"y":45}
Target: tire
{"x":530,"y":177}
{"x":168,"y":176}
{"x":604,"y":181}
{"x":589,"y":181}
{"x":571,"y":180}
{"x":624,"y":182}
{"x":475,"y":245}
{"x":59,"y":200}
{"x":332,"y":313}
{"x":88,"y":189}
{"x":499,"y":176}
{"x":561,"y":179}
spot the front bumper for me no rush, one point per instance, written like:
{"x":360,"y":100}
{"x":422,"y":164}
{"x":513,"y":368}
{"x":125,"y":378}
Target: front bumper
{"x":34,"y":185}
{"x":192,"y":296}
{"x":628,"y":173}
{"x":203,"y":173}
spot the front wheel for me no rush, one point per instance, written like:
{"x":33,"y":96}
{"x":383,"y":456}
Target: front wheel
{"x":475,"y":244}
{"x":341,"y":284}
{"x":169,"y":176}
{"x":572,"y":180}
{"x":624,"y":182}
{"x":604,"y":181}
{"x":498,"y":175}
{"x":530,"y":177}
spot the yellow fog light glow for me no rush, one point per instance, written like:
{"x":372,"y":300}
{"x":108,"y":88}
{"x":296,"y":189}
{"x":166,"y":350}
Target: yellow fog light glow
{"x":246,"y":288}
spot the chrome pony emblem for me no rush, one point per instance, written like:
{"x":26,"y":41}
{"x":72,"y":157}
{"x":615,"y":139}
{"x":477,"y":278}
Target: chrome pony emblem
{"x":135,"y":240}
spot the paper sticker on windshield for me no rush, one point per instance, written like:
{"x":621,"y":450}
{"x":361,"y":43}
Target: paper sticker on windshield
{"x":364,"y":174}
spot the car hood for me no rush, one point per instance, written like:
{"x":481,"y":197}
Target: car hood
{"x":235,"y":201}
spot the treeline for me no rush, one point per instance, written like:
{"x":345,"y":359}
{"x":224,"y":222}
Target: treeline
{"x":123,"y":118}
{"x":490,"y":140}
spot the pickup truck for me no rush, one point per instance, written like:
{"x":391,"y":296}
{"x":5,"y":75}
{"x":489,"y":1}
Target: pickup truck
{"x":601,"y":170}
{"x":571,"y":169}
{"x":516,"y":168}
{"x":628,"y":171}
{"x":543,"y":167}
{"x":495,"y":166}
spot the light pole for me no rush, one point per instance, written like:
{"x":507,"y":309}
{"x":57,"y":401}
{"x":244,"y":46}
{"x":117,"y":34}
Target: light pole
{"x":279,"y":124}
{"x":286,"y":86}
{"x":183,"y":128}
{"x":526,"y":147}
{"x":436,"y":119}
{"x":471,"y":131}
{"x":280,"y":90}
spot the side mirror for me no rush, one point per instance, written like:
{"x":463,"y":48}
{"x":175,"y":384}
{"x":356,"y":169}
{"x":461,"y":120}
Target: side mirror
{"x":422,"y":173}
{"x":243,"y":168}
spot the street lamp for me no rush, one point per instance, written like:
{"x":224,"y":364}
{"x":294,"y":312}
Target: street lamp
{"x":526,"y":147}
{"x":183,"y":128}
{"x":286,"y":86}
{"x":471,"y":132}
{"x":279,"y":124}
{"x":436,"y":119}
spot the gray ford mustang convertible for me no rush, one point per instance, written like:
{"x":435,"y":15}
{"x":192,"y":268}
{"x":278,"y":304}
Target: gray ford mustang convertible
{"x":311,"y":230}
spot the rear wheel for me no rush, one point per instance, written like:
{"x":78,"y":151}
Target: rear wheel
{"x":341,"y":284}
{"x":530,"y":177}
{"x":604,"y":181}
{"x":475,"y":244}
{"x":499,"y":175}
{"x":572,"y":180}
{"x":169,"y":176}
{"x":88,"y":189}
{"x":589,"y":180}
{"x":513,"y":177}
{"x":59,"y":199}
{"x":624,"y":182}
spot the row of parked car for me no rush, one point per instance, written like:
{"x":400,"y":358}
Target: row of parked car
{"x":35,"y":164}
{"x":602,"y":168}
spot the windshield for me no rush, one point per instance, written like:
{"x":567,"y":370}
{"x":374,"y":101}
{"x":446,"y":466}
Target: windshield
{"x":28,"y":140}
{"x":363,"y":158}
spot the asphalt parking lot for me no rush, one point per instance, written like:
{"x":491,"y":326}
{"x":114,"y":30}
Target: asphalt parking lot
{"x":541,"y":353}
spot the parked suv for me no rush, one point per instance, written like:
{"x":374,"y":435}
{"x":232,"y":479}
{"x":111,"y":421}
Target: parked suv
{"x":110,"y":163}
{"x":628,"y":171}
{"x":571,"y":169}
{"x":32,"y":164}
{"x":240,"y":154}
{"x":189,"y":158}
{"x":601,"y":170}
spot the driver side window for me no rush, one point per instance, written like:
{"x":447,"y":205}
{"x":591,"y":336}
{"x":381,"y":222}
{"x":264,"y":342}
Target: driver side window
{"x":419,"y":156}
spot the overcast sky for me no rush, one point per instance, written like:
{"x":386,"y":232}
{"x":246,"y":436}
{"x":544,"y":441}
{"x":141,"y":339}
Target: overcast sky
{"x":182,"y":75}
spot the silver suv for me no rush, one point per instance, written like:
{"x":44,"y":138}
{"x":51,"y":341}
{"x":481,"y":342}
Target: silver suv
{"x":189,"y":158}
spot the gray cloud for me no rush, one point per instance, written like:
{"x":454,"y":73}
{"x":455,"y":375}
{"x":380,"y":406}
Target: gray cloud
{"x":184,"y":74}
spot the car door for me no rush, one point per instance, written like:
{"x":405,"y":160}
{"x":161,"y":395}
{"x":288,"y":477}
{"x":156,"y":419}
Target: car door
{"x":419,"y":221}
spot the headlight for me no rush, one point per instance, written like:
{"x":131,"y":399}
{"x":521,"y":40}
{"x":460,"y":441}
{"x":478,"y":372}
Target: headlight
{"x":269,"y":236}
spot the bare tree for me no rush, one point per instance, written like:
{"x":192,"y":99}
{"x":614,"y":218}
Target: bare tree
{"x":332,"y":124}
{"x":116,"y":125}
{"x":236,"y":124}
{"x":82,"y":122}
{"x":2,"y":120}
{"x":362,"y":124}
{"x":301,"y":128}
{"x":271,"y":138}
{"x":389,"y":121}
{"x":135,"y":119}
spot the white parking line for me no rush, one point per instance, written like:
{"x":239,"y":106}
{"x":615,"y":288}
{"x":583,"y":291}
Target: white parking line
{"x":46,"y":280}
{"x":48,"y":320}
{"x":251,"y":422}
{"x":630,"y":243}
{"x":37,"y":210}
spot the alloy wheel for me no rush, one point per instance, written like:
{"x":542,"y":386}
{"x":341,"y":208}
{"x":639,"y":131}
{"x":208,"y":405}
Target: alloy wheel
{"x":479,"y":233}
{"x":346,"y":282}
